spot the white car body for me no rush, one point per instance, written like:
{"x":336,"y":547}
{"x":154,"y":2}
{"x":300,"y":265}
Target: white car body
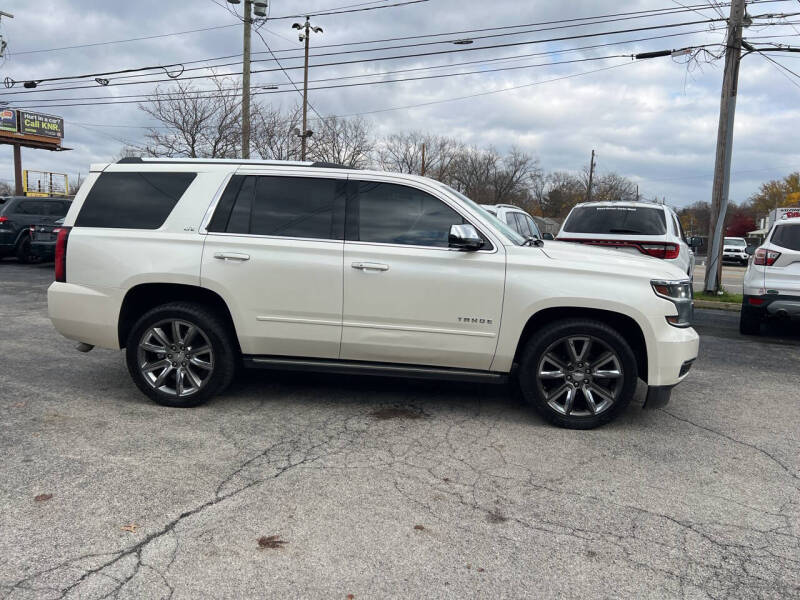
{"x":340,"y":300}
{"x":669,"y":236}
{"x":516,"y":218}
{"x":735,"y":250}
{"x":772,"y":280}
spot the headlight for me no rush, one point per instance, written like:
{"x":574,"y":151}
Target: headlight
{"x":679,"y":292}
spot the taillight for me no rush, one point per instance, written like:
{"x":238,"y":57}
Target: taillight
{"x":61,"y":254}
{"x":765,"y":257}
{"x":32,"y":229}
{"x":3,"y":219}
{"x":667,"y":251}
{"x":756,"y":301}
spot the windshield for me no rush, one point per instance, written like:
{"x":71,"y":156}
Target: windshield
{"x":633,"y":220}
{"x":509,"y":233}
{"x":735,"y":242}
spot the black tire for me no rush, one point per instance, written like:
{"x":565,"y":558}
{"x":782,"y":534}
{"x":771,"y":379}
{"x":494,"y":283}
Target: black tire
{"x":542,"y":342}
{"x":223,"y":356}
{"x":24,"y":251}
{"x":749,"y":321}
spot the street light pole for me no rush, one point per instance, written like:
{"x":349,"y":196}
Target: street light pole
{"x":722,"y":166}
{"x":305,"y":36}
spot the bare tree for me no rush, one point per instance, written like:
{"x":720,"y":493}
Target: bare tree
{"x":563,"y":191}
{"x":487,"y":177}
{"x":197,"y":125}
{"x":402,"y":152}
{"x":6,"y":189}
{"x":610,"y":186}
{"x":342,"y":141}
{"x":273,"y":132}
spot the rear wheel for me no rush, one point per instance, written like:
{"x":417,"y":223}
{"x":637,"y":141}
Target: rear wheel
{"x":24,"y":251}
{"x":749,"y":321}
{"x":181,"y":354}
{"x":578,"y":374}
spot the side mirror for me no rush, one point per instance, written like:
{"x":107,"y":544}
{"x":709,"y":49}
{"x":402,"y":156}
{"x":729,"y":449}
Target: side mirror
{"x":464,"y":237}
{"x":750,"y":250}
{"x":547,"y":236}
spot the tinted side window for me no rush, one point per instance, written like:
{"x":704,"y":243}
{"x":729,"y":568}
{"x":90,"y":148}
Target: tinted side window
{"x":303,"y":207}
{"x":219,"y":222}
{"x":137,"y":200}
{"x":395,"y":214}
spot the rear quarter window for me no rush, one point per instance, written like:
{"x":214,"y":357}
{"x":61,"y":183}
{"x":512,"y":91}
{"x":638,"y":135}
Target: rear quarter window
{"x":137,"y":200}
{"x":622,"y":220}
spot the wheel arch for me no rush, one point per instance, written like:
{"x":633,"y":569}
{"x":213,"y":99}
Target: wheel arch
{"x":143,"y":297}
{"x":627,"y":327}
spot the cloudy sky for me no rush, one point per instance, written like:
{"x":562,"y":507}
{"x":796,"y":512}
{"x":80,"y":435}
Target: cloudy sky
{"x":654,"y":121}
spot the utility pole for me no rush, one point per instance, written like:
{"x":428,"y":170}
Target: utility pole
{"x":305,"y":37}
{"x":422,"y":170}
{"x":591,"y":177}
{"x":722,"y":165}
{"x":248,"y":23}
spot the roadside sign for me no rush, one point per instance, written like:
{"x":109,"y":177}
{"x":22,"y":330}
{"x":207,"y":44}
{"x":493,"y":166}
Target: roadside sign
{"x":38,"y":124}
{"x":8,"y":120}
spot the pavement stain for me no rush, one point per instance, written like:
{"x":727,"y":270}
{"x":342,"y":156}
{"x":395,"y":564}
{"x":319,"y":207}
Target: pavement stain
{"x":384,"y":414}
{"x":271,"y":541}
{"x":495,"y":517}
{"x":419,"y":527}
{"x":43,"y":497}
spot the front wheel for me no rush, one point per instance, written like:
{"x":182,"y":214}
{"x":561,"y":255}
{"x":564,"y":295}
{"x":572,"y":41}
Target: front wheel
{"x":180,"y":354}
{"x":578,"y":373}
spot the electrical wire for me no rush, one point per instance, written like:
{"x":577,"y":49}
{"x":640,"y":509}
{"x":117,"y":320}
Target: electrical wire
{"x":422,"y":54}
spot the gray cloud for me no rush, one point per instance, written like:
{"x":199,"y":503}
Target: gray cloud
{"x":651,"y":120}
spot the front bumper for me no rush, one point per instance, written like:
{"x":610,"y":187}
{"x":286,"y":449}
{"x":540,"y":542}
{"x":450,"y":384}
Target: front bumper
{"x":742,"y":258}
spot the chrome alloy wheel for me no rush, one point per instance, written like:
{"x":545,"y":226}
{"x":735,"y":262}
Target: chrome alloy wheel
{"x":580,"y":376}
{"x":175,"y":357}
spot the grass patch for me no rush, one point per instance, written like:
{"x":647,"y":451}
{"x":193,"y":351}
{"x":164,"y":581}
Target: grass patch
{"x":725,"y":297}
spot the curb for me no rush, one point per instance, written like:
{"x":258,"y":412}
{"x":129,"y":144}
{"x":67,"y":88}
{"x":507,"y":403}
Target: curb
{"x":729,"y":306}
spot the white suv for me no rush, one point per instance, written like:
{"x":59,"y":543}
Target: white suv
{"x":640,"y":228}
{"x":772,"y":280}
{"x":516,"y":218}
{"x":735,"y":250}
{"x":195,"y":266}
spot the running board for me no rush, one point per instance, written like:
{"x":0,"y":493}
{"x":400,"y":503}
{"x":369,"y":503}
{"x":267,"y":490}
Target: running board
{"x":351,"y":367}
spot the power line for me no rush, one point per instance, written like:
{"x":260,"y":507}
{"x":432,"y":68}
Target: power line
{"x":416,"y":55}
{"x":347,"y":85}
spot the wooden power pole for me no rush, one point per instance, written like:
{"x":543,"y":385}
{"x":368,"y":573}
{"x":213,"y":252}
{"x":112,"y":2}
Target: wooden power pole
{"x":591,"y":178}
{"x":722,"y":165}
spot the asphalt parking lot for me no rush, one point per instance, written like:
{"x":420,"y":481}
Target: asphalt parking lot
{"x":732,"y":278}
{"x":369,"y":488}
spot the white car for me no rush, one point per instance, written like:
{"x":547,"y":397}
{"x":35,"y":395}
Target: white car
{"x":516,"y":218}
{"x":640,"y":228}
{"x":772,"y":279}
{"x":195,"y":266}
{"x":734,"y":249}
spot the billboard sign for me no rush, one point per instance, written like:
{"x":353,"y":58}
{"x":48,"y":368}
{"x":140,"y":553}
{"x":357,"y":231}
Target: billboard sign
{"x":8,"y":120}
{"x":32,"y":123}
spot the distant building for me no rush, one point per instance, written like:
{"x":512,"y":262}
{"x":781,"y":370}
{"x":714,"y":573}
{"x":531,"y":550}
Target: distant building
{"x":547,"y":224}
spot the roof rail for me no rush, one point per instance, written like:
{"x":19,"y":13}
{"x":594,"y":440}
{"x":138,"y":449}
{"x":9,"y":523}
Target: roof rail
{"x":129,"y":160}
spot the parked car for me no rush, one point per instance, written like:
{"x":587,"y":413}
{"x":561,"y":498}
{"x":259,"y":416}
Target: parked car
{"x":17,"y":214}
{"x":43,"y":240}
{"x":195,"y":266}
{"x":772,"y":279}
{"x":516,"y":218}
{"x":640,"y":228}
{"x":734,"y":249}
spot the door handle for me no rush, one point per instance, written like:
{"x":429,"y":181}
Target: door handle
{"x":368,"y":266}
{"x":231,"y":256}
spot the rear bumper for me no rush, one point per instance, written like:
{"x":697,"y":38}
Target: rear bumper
{"x":44,"y":250}
{"x":84,"y":314}
{"x":772,"y":306}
